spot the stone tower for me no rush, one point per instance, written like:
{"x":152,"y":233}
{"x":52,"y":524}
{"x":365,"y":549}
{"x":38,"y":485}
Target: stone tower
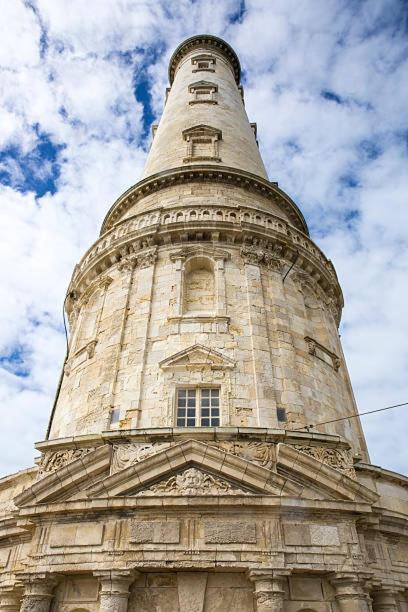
{"x":197,"y":456}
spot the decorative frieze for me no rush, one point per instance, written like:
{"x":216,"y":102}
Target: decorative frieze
{"x":193,"y":482}
{"x":125,"y":455}
{"x":52,"y":461}
{"x":261,"y":453}
{"x":340,"y":459}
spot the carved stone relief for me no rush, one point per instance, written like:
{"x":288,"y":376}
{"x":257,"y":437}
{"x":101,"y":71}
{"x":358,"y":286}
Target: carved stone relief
{"x":258,"y":256}
{"x":261,"y":453}
{"x":125,"y":455}
{"x":339,"y":459}
{"x":50,"y":462}
{"x":193,"y":482}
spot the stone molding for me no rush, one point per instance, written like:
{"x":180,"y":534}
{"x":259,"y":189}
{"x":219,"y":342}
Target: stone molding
{"x":263,"y":238}
{"x":315,"y":348}
{"x":209,"y":42}
{"x":202,"y":173}
{"x":260,"y":452}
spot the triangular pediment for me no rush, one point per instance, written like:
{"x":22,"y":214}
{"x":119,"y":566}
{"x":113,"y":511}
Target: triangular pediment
{"x":202,"y":130}
{"x":170,"y":469}
{"x":198,"y":356}
{"x":196,"y":469}
{"x":199,"y":84}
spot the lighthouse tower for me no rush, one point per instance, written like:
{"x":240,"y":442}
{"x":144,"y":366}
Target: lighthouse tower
{"x":199,"y":455}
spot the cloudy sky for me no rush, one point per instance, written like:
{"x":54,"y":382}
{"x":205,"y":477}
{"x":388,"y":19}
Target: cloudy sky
{"x":81,"y":83}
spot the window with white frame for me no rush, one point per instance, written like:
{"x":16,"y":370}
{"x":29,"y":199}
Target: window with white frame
{"x":199,"y":407}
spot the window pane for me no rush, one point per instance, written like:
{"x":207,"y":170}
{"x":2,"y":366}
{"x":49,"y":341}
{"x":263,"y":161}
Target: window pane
{"x":115,"y":416}
{"x":215,"y":422}
{"x":205,"y":422}
{"x":205,"y":392}
{"x":205,"y":412}
{"x":191,"y":403}
{"x":215,"y":392}
{"x":205,"y":401}
{"x":215,"y":412}
{"x":181,"y":412}
{"x":190,"y":422}
{"x":191,"y":412}
{"x":191,"y":393}
{"x":180,"y":422}
{"x":182,"y":393}
{"x":281,"y":415}
{"x":215,"y":401}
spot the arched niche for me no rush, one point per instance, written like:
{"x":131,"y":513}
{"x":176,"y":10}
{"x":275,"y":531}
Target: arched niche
{"x":199,"y":286}
{"x":199,"y":290}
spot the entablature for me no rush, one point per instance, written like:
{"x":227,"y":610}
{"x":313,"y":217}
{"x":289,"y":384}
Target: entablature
{"x":263,"y":236}
{"x":204,"y":173}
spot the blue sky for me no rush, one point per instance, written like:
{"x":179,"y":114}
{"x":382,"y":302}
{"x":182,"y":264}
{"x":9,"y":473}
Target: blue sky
{"x":81,"y":85}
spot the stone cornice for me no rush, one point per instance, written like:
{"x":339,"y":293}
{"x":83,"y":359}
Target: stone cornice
{"x":209,"y":42}
{"x":175,"y":434}
{"x":226,"y":226}
{"x":203,"y":173}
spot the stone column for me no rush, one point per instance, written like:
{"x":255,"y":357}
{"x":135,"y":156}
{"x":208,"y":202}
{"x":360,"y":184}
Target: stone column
{"x":114,"y":593}
{"x":38,"y":592}
{"x":10,"y":601}
{"x":350,"y":592}
{"x":384,"y":600}
{"x":269,"y":589}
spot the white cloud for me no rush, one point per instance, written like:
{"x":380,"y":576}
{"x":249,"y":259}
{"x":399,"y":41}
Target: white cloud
{"x":68,"y":71}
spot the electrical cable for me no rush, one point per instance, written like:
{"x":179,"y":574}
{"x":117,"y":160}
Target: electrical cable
{"x":62,"y":369}
{"x":352,"y":416}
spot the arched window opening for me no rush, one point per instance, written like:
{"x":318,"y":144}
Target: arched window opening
{"x":199,"y":286}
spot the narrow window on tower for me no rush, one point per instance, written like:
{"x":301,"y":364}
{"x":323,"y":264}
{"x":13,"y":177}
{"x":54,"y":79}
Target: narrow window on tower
{"x":203,"y":92}
{"x":281,"y":415}
{"x":203,"y":62}
{"x":198,"y":407}
{"x":202,"y":143}
{"x":115,"y":416}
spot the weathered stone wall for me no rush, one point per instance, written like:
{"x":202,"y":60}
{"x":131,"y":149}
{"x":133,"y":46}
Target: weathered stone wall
{"x":279,"y":342}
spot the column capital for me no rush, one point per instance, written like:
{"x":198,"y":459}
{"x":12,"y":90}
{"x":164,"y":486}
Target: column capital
{"x":115,"y":585}
{"x":351,"y":585}
{"x":384,"y":598}
{"x":116,"y":580}
{"x":38,"y":591}
{"x":269,"y":588}
{"x":274,"y":574}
